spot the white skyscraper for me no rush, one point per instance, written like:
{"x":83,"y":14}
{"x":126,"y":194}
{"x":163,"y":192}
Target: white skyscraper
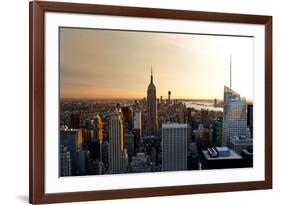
{"x":174,"y":147}
{"x":234,"y":116}
{"x":117,"y":154}
{"x":137,"y":120}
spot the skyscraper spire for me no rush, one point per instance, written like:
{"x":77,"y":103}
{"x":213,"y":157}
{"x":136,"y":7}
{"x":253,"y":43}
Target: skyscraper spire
{"x":151,"y":74}
{"x":230,"y":73}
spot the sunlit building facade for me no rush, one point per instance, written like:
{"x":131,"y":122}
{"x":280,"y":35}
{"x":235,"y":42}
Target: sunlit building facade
{"x":117,"y":154}
{"x":234,"y":116}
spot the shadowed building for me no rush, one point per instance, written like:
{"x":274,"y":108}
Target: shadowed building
{"x":127,"y":112}
{"x":75,"y":121}
{"x":152,"y":121}
{"x":65,"y":161}
{"x":72,"y":140}
{"x":98,"y":134}
{"x":250,"y":118}
{"x":93,"y":129}
{"x":216,"y":132}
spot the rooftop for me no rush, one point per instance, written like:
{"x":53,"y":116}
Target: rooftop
{"x":233,"y":155}
{"x":229,"y":90}
{"x":174,"y":125}
{"x":222,"y":149}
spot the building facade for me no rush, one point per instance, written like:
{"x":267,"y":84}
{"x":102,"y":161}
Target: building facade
{"x":250,"y":118}
{"x":174,"y":147}
{"x":216,"y":132}
{"x":72,"y":140}
{"x":117,"y":154}
{"x":65,"y":161}
{"x":234,"y":116}
{"x":152,"y":113}
{"x":240,"y":143}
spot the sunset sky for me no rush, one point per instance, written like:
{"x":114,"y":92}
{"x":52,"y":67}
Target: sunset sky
{"x":116,"y":64}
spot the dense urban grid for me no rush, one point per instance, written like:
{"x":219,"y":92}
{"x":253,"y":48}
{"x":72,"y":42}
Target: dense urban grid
{"x":115,"y":136}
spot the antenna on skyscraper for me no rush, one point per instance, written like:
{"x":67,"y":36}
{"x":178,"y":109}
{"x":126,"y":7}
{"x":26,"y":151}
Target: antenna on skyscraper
{"x":151,"y":74}
{"x":230,"y":72}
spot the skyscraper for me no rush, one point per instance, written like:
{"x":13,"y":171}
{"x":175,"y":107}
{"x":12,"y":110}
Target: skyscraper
{"x":169,"y":97}
{"x":188,"y":116}
{"x":205,"y":118}
{"x":137,"y":130}
{"x":137,"y":120}
{"x":127,"y":112}
{"x":93,"y":129}
{"x":129,"y":144}
{"x":98,"y":134}
{"x":75,"y":121}
{"x":152,"y":120}
{"x":117,"y":153}
{"x":72,"y":139}
{"x":65,"y":161}
{"x":97,"y":129}
{"x":234,"y":116}
{"x":174,"y":147}
{"x":216,"y":132}
{"x":250,"y":118}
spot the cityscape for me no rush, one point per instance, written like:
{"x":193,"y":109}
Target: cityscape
{"x":111,"y":136}
{"x":154,"y":132}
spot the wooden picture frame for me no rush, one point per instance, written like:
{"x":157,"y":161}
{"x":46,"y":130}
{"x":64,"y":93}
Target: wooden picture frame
{"x":37,"y":10}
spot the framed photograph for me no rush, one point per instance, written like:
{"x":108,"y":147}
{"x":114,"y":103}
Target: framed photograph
{"x":139,"y":102}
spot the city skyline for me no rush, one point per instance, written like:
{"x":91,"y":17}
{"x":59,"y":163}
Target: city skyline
{"x":105,"y":64}
{"x":158,"y":133}
{"x":153,"y":135}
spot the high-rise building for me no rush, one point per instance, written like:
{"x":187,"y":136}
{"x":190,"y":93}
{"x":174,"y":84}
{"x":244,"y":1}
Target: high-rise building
{"x":234,"y":116}
{"x":65,"y":161}
{"x":75,"y":121}
{"x":250,"y":118}
{"x":93,"y":129}
{"x":137,"y":140}
{"x":188,"y":116}
{"x":137,"y":130}
{"x":152,"y":118}
{"x":202,"y":137}
{"x":98,"y":134}
{"x":169,"y":97}
{"x":216,"y":132}
{"x":137,"y":120}
{"x":127,"y":112}
{"x":129,"y":144}
{"x":117,"y":153}
{"x":240,"y":143}
{"x":174,"y":147}
{"x":205,"y":117}
{"x":189,"y":134}
{"x":72,"y":139}
{"x":97,"y":129}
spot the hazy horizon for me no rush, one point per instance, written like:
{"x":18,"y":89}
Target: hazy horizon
{"x":107,"y":64}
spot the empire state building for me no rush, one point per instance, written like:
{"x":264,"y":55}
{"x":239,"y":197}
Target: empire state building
{"x":152,"y":120}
